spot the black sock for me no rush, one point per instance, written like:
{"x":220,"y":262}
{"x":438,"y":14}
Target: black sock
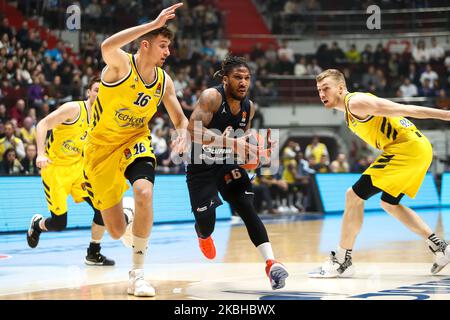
{"x":36,"y":226}
{"x":94,"y":247}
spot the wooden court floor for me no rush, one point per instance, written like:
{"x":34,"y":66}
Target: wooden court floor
{"x":390,"y":262}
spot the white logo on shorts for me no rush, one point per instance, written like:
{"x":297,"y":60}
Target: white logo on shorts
{"x":202,"y":209}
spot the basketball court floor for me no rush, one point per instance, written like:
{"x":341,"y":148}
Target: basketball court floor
{"x":390,"y":261}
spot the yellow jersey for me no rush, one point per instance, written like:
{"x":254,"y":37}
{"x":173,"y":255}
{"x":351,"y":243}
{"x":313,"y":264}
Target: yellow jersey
{"x":66,"y":141}
{"x":123,"y":109}
{"x":287,"y":174}
{"x":378,"y":131}
{"x":28,"y":137}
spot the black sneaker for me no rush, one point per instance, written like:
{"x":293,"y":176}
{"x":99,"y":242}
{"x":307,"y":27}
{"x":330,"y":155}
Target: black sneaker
{"x":33,"y":232}
{"x":95,"y":258}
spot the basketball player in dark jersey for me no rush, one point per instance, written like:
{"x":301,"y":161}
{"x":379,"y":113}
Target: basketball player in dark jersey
{"x":212,"y":168}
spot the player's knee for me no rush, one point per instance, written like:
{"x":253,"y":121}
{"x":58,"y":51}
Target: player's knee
{"x":143,"y":193}
{"x":352,"y":198}
{"x":116,"y":233}
{"x":56,"y":222}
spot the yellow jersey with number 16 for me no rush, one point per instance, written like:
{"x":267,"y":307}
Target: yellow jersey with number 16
{"x":123,"y":109}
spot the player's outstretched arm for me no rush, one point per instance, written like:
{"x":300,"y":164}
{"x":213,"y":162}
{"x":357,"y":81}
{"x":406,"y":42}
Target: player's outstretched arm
{"x":68,"y":112}
{"x":363,"y":105}
{"x":112,"y":53}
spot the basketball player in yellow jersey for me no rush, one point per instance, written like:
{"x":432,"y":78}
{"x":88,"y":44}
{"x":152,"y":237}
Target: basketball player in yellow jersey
{"x":62,"y":171}
{"x":118,"y":147}
{"x":399,"y":170}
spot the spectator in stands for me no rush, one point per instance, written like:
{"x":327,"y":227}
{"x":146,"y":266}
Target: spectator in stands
{"x":290,"y":174}
{"x":314,"y":68}
{"x":340,"y":164}
{"x":5,"y":28}
{"x":222,"y":50}
{"x":420,"y":53}
{"x":160,"y":147}
{"x":28,"y":131}
{"x":322,"y":166}
{"x":436,"y":52}
{"x":18,"y":112}
{"x":367,"y":55}
{"x":56,"y":53}
{"x":380,"y":57}
{"x":284,"y":65}
{"x":429,"y":74}
{"x":10,"y":164}
{"x":261,"y":188}
{"x":286,"y":52}
{"x":36,"y":93}
{"x":323,"y":56}
{"x":353,"y":55}
{"x":408,"y":89}
{"x":337,"y":54}
{"x":300,"y":67}
{"x":304,"y":181}
{"x":57,"y":93}
{"x":29,"y":162}
{"x":371,"y":78}
{"x":257,"y":52}
{"x":22,"y":34}
{"x":413,"y":74}
{"x":3,"y":115}
{"x":317,"y":149}
{"x":427,"y":90}
{"x":11,"y":141}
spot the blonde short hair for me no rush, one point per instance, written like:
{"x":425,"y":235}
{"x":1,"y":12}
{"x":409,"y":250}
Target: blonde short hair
{"x":332,"y":73}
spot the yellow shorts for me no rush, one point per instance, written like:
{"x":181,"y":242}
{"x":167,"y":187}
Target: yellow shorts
{"x":104,"y":169}
{"x":60,"y":181}
{"x":403,"y":165}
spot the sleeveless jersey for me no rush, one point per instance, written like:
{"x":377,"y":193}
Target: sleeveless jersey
{"x":203,"y":156}
{"x":377,"y":131}
{"x":65,"y":142}
{"x":123,"y":109}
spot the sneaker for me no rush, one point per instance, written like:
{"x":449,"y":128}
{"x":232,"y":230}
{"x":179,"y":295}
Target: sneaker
{"x":95,"y":258}
{"x":333,"y":269}
{"x":277,"y":274}
{"x":137,"y":286}
{"x":293,"y":209}
{"x":34,"y":233}
{"x":128,"y":210}
{"x":207,"y":247}
{"x":442,"y":253}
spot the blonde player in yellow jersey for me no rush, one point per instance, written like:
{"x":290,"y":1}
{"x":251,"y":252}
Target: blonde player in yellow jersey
{"x":118,"y":146}
{"x":62,"y":171}
{"x":399,"y":170}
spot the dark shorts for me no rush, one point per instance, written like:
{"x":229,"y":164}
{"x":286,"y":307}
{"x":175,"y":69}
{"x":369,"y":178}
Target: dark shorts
{"x":203,"y":186}
{"x":365,"y":189}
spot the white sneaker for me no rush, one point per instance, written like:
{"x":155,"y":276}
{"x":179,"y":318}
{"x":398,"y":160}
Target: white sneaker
{"x":442,"y":257}
{"x":333,"y":269}
{"x":128,"y":210}
{"x":293,"y":209}
{"x":283,"y":209}
{"x":137,"y":286}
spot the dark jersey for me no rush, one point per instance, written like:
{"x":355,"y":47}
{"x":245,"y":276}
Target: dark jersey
{"x":205,"y":156}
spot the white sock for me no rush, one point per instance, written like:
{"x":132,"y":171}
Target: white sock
{"x":139,"y":252}
{"x":342,"y":253}
{"x":95,"y":241}
{"x":265,"y":249}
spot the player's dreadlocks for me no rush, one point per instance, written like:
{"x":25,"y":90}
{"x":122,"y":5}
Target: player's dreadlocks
{"x":228,"y":64}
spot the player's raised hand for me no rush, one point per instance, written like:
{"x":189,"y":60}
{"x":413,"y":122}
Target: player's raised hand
{"x":166,"y":14}
{"x":42,"y":162}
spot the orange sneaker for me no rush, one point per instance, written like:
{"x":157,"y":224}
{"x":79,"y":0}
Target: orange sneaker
{"x":207,"y":247}
{"x":277,"y":274}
